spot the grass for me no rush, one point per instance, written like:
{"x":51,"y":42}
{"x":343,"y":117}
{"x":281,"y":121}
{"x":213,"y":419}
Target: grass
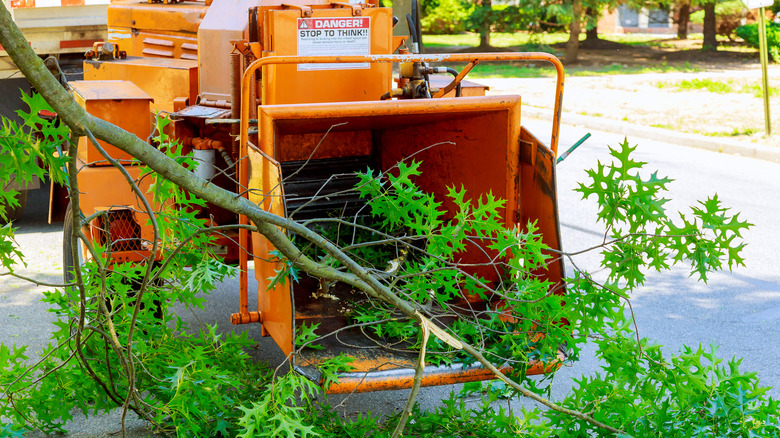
{"x":719,"y":86}
{"x":736,"y":132}
{"x":497,"y":39}
{"x":585,"y":113}
{"x":503,"y":39}
{"x":510,"y":70}
{"x":711,"y":85}
{"x":758,"y":90}
{"x":664,"y":126}
{"x":522,"y":41}
{"x":648,"y":40}
{"x":490,"y":70}
{"x":622,"y":69}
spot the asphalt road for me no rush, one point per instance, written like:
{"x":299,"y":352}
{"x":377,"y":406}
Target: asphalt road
{"x":738,"y":311}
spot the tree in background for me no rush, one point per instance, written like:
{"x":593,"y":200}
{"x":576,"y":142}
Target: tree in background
{"x":683,"y":14}
{"x":580,"y":16}
{"x":575,"y":27}
{"x":445,"y":16}
{"x":710,"y":27}
{"x":592,"y":30}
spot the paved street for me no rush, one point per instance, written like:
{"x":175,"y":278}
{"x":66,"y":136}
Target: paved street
{"x":739,"y":311}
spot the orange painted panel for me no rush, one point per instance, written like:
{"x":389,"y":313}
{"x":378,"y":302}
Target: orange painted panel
{"x":284,"y":84}
{"x":104,"y":187}
{"x":22,"y":4}
{"x":162,"y":79}
{"x":174,"y":19}
{"x":275,"y":304}
{"x":112,"y":101}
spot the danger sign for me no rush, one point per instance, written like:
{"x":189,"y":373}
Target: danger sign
{"x":334,"y":37}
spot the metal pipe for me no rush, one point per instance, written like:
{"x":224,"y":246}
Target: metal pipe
{"x":454,"y":57}
{"x":248,"y":89}
{"x":235,"y":98}
{"x":572,"y":148}
{"x":234,"y":121}
{"x":762,"y":48}
{"x":226,"y":156}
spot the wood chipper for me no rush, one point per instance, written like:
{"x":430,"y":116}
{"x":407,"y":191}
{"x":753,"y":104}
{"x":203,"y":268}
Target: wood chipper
{"x":290,"y":97}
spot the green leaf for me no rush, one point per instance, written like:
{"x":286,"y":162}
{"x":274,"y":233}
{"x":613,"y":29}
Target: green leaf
{"x":305,"y":336}
{"x":334,"y":366}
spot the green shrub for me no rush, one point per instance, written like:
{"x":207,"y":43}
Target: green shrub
{"x":749,"y":33}
{"x":446,"y":17}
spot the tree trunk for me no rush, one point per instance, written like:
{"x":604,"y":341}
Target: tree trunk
{"x":486,"y":6}
{"x":683,"y":18}
{"x":710,"y":38}
{"x":573,"y":45}
{"x":592,"y":31}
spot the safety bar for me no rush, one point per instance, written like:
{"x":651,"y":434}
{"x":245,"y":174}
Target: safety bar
{"x":246,"y":86}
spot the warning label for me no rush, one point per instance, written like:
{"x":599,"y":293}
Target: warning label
{"x":334,"y":37}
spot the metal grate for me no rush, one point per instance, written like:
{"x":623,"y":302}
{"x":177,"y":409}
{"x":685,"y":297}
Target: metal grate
{"x":122,"y":232}
{"x":318,"y":188}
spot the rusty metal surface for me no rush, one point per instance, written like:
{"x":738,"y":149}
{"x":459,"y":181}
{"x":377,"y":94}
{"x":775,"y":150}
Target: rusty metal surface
{"x":539,"y":201}
{"x":180,"y":19}
{"x":402,"y":377}
{"x":264,"y":185}
{"x":275,"y":305}
{"x":470,"y":141}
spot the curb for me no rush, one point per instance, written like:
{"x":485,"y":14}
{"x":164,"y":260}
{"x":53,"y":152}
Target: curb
{"x":725,"y":146}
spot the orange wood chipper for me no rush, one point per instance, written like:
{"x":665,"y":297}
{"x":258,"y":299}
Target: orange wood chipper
{"x":275,"y":98}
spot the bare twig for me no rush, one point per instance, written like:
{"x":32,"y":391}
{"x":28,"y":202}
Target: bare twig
{"x":418,"y":372}
{"x":34,"y":281}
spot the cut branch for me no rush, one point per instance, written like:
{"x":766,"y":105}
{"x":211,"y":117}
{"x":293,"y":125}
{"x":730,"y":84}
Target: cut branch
{"x":269,"y":225}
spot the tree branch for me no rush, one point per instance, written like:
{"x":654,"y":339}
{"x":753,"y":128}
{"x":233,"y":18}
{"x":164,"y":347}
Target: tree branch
{"x":266,"y":223}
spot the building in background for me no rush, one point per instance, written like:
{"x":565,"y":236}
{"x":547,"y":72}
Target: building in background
{"x":625,"y":19}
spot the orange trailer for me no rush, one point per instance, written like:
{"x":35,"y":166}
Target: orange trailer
{"x":285,"y":96}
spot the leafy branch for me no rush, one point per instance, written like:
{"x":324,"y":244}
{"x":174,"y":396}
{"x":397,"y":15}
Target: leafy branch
{"x":406,"y":262}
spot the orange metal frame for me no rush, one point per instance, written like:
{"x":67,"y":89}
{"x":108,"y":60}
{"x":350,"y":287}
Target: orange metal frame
{"x":244,"y":315}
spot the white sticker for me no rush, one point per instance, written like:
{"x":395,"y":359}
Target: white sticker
{"x":349,"y":36}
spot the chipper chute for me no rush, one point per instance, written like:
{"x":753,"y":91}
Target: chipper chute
{"x":474,"y":142}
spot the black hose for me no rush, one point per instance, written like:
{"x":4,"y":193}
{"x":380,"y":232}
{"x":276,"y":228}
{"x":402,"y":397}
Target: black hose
{"x":417,"y":26}
{"x":454,"y":73}
{"x":412,"y":28}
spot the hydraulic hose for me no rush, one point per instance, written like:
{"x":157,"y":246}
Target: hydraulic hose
{"x":454,"y":73}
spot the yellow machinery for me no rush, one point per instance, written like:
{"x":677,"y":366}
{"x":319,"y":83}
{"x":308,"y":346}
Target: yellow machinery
{"x":253,"y":87}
